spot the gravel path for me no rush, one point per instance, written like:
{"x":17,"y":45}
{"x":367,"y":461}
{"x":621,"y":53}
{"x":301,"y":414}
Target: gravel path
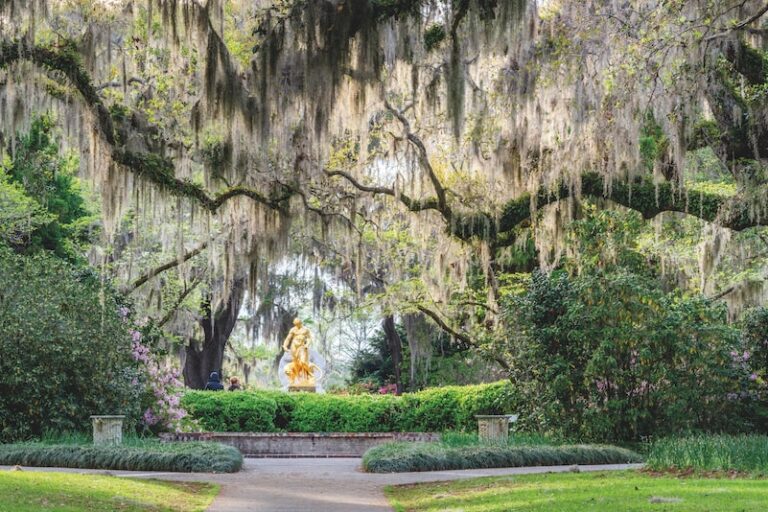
{"x":317,"y":485}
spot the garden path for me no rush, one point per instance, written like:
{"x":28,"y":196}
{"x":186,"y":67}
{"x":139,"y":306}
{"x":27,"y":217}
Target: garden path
{"x":317,"y":485}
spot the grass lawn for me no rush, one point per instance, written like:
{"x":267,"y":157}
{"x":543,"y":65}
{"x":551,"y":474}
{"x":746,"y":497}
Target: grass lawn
{"x":27,"y":491}
{"x":627,"y":491}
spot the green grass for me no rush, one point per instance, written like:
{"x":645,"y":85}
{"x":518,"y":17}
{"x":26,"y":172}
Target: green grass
{"x":136,"y":455}
{"x":711,"y":453}
{"x":625,"y":491}
{"x":402,"y":457}
{"x":24,"y":491}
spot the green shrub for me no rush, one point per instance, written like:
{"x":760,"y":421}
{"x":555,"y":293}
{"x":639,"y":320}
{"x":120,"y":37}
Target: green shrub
{"x":711,"y":453}
{"x":611,"y":356}
{"x":333,"y":413}
{"x":64,"y":351}
{"x":432,"y":410}
{"x":403,"y":457}
{"x":153,"y":456}
{"x":231,"y":412}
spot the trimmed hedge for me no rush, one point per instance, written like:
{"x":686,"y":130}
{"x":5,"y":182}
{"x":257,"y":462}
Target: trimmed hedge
{"x":432,"y":410}
{"x":404,"y":457}
{"x":181,"y":457}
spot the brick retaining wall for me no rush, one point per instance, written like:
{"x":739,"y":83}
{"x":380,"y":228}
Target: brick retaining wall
{"x":297,"y":444}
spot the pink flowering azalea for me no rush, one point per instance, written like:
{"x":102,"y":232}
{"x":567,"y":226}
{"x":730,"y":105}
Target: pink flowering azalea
{"x":163,"y":384}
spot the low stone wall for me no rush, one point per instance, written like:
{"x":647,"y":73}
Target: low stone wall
{"x":296,"y":444}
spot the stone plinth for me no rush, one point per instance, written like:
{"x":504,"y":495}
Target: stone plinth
{"x":307,"y":388}
{"x":107,"y":430}
{"x":494,"y":428}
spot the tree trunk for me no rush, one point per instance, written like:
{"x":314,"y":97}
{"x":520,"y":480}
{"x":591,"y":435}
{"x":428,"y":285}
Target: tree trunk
{"x":207,"y":358}
{"x":395,"y":345}
{"x":286,"y":323}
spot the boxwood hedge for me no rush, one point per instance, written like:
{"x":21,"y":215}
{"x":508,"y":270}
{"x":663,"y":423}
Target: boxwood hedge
{"x":432,"y":410}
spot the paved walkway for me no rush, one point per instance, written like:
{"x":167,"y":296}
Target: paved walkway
{"x":317,"y":485}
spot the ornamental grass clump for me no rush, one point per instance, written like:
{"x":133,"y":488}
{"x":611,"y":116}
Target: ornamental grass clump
{"x":711,"y":453}
{"x":137,"y":456}
{"x":406,"y":457}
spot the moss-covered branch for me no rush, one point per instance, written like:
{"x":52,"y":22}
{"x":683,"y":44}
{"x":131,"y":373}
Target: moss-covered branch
{"x":414,"y":205}
{"x":151,"y":166}
{"x":645,"y":197}
{"x":167,"y":266}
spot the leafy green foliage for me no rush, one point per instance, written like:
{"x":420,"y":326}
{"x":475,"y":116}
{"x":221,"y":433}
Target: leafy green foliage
{"x":611,"y":356}
{"x":451,"y":362}
{"x":754,"y":338}
{"x":231,"y":412}
{"x":404,"y":457}
{"x":62,"y":221}
{"x":374,"y":364}
{"x":433,"y":36}
{"x":653,"y":142}
{"x":711,"y":453}
{"x":20,"y":215}
{"x":65,"y":351}
{"x":155,"y":456}
{"x":438,"y":409}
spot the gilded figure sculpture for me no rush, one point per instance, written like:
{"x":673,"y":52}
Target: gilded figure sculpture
{"x":300,"y":371}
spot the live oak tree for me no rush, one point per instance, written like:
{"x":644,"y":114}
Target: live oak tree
{"x":475,"y":125}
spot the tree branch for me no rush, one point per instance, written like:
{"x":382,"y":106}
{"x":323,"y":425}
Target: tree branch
{"x":440,"y":191}
{"x":189,"y":289}
{"x":167,"y":266}
{"x":151,"y":166}
{"x":456,"y":334}
{"x":415,"y":205}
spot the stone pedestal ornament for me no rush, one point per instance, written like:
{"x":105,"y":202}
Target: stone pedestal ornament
{"x":494,"y":427}
{"x":107,"y":430}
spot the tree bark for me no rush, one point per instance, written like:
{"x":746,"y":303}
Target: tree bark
{"x":286,"y":323}
{"x":217,"y":328}
{"x":395,"y":345}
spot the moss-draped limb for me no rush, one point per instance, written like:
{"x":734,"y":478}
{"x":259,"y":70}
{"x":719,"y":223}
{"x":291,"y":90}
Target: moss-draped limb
{"x":153,"y":167}
{"x":414,"y":205}
{"x":167,"y":266}
{"x":644,"y":196}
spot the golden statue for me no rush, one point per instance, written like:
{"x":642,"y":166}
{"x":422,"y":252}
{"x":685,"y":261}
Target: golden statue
{"x":300,"y":371}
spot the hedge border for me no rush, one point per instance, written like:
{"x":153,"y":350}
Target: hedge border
{"x":431,"y":410}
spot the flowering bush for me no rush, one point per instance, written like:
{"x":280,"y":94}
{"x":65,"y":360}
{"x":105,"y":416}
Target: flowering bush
{"x":389,"y":389}
{"x":160,"y":382}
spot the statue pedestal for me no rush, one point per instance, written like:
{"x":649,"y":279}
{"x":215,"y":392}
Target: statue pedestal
{"x":307,"y":388}
{"x":313,"y":384}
